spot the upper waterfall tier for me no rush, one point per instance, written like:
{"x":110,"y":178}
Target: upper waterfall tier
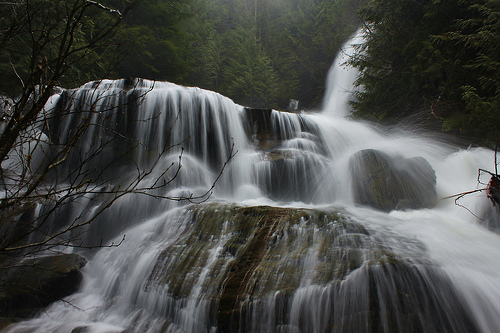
{"x":131,"y":125}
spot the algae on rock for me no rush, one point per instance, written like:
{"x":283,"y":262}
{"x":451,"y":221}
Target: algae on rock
{"x":231,"y":256}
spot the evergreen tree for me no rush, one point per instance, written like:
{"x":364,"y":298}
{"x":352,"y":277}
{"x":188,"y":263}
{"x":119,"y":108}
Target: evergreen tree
{"x":251,"y":77}
{"x":156,"y":41}
{"x":434,"y":59}
{"x":294,"y":42}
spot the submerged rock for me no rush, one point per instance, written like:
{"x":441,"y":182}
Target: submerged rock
{"x":255,"y":269}
{"x":388,"y":183}
{"x":28,"y":285}
{"x":254,"y":252}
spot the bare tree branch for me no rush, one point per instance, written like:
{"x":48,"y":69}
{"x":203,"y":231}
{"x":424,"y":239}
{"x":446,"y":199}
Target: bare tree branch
{"x":100,"y":5}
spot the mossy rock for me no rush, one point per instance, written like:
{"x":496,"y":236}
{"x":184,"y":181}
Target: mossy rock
{"x":261,"y":268}
{"x":263,"y":241}
{"x":239,"y":255}
{"x":392,"y":183}
{"x":279,"y":154}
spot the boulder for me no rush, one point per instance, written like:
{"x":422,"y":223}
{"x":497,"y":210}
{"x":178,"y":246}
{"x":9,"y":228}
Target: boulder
{"x":261,"y":269}
{"x":264,"y":253}
{"x":392,"y":183}
{"x":29,"y":285}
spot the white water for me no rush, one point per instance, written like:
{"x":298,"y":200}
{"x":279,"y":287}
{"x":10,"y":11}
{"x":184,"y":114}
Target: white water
{"x":340,"y":80}
{"x":115,"y":295}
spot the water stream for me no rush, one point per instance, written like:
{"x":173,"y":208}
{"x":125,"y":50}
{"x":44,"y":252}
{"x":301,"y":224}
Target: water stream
{"x":282,"y":244}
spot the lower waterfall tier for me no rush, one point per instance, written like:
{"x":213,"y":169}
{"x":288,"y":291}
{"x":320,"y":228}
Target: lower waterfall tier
{"x":221,"y":267}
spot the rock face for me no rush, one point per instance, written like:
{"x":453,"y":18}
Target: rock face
{"x":26,"y":286}
{"x":388,"y":183}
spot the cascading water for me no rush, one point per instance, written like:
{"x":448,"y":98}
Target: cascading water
{"x":341,"y":78}
{"x":289,"y":241}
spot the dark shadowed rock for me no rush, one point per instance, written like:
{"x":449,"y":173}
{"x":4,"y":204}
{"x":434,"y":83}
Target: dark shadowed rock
{"x":259,"y":128}
{"x":388,"y":183}
{"x":28,"y":285}
{"x":80,"y":329}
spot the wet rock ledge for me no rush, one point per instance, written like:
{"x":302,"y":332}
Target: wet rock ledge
{"x":29,"y":285}
{"x":286,"y":266}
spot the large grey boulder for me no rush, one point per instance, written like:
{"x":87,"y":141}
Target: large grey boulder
{"x":392,"y":183}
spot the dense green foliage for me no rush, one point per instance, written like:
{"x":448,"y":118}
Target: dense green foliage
{"x":266,"y":52}
{"x":260,"y":53}
{"x":434,"y":59}
{"x":154,"y":40}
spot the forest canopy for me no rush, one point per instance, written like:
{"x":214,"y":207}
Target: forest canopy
{"x":435,"y":60}
{"x":260,"y":53}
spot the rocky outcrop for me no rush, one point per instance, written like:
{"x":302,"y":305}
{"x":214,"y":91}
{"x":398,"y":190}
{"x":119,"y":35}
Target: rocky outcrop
{"x":256,"y":268}
{"x":389,"y":183}
{"x":29,"y":285}
{"x":261,"y":251}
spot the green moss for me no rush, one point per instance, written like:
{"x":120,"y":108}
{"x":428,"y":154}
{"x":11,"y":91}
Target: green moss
{"x":235,"y":253}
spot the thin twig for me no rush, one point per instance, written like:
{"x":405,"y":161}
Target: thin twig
{"x":100,"y":5}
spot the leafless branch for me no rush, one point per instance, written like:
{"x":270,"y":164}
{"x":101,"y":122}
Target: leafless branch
{"x":100,"y":5}
{"x":491,"y":187}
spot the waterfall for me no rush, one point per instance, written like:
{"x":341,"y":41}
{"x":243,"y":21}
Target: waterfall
{"x":341,"y":78}
{"x":291,"y":238}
